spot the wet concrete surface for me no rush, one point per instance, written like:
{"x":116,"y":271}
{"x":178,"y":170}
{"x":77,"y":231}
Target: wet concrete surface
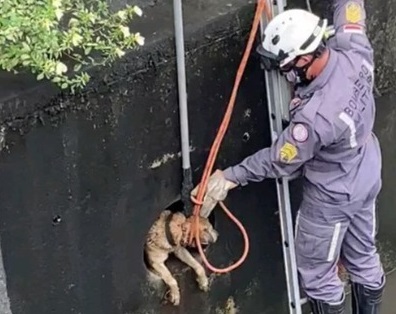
{"x":80,"y":189}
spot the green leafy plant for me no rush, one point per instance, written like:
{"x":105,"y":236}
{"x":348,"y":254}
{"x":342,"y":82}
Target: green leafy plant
{"x":55,"y":39}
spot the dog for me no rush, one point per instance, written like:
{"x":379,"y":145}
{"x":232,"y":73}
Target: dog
{"x":170,"y":234}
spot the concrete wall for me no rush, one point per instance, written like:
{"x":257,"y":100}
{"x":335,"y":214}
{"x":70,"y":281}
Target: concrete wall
{"x":83,"y":177}
{"x":90,"y":174}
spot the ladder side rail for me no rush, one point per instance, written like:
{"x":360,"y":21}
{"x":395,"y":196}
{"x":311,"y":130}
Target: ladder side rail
{"x":278,"y":109}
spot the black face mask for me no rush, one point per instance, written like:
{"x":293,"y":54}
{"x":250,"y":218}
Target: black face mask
{"x":298,"y":75}
{"x":301,"y":73}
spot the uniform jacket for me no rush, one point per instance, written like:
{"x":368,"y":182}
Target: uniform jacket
{"x":330,"y":137}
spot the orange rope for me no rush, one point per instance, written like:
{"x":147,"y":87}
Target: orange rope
{"x":261,"y":7}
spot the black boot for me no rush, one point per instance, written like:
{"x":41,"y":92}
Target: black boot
{"x":366,"y":300}
{"x":320,"y":307}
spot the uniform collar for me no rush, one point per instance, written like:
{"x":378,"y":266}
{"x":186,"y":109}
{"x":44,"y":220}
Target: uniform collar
{"x":321,"y":79}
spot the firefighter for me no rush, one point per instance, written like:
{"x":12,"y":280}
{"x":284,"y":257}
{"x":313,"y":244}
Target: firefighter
{"x":330,"y":142}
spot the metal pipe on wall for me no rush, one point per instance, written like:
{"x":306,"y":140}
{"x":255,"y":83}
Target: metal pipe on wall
{"x":183,"y":109}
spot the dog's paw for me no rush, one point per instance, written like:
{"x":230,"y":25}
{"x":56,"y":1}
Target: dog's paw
{"x":203,"y":283}
{"x":173,"y":296}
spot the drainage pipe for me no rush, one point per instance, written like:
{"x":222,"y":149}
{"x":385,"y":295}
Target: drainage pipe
{"x":183,"y":110}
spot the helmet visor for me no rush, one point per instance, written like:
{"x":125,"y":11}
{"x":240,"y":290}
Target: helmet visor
{"x":268,"y":60}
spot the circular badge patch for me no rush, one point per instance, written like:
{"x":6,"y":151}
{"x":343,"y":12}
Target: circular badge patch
{"x":300,"y":133}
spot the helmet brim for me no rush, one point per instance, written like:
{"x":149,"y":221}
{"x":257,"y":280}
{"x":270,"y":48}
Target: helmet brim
{"x":268,"y":60}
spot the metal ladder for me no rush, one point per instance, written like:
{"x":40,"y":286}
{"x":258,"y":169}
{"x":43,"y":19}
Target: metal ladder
{"x":278,"y":98}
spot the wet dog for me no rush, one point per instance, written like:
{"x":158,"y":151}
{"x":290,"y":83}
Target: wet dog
{"x":170,"y":234}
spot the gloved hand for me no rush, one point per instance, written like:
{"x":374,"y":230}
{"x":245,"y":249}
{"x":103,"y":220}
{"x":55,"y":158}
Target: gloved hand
{"x":216,"y":191}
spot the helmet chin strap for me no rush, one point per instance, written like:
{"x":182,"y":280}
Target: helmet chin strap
{"x":301,"y":78}
{"x":301,"y":73}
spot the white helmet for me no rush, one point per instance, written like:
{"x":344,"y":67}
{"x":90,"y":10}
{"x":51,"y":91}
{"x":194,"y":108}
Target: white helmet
{"x":290,"y":34}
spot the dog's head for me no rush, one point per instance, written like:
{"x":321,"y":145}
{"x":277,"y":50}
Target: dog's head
{"x":207,"y":234}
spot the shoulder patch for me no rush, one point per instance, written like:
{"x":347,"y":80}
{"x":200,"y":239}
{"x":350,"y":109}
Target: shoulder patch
{"x":353,"y":12}
{"x":300,"y":133}
{"x":288,"y":152}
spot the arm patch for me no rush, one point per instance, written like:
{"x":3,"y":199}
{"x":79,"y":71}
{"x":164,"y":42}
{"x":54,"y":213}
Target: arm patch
{"x":353,"y":12}
{"x":288,"y":152}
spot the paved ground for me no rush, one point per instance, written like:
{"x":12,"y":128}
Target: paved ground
{"x":389,"y":305}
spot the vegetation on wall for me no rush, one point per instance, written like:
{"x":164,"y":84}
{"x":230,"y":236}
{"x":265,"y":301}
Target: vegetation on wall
{"x":56,"y":39}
